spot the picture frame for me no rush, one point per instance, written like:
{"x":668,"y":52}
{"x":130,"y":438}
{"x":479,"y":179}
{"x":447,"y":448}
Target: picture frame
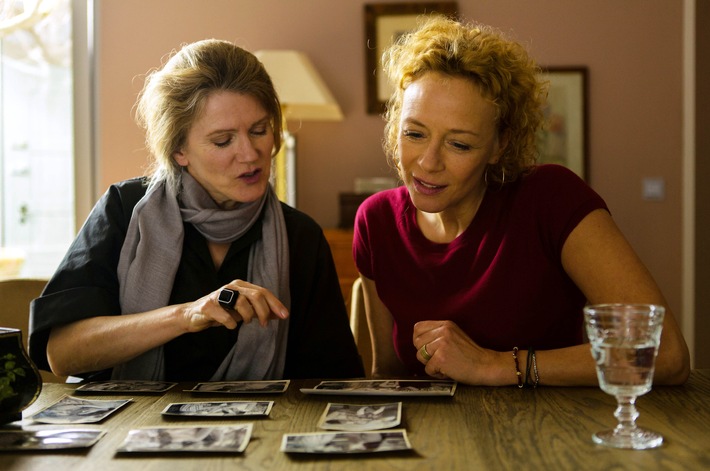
{"x":564,"y":139}
{"x":384,"y":22}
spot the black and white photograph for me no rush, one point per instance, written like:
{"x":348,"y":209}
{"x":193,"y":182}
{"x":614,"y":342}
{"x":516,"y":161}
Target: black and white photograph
{"x":384,"y":388}
{"x":219,"y":439}
{"x":346,"y":442}
{"x":242,"y":387}
{"x":361,"y":417}
{"x":73,"y":410}
{"x":120,"y":386}
{"x":48,"y":439}
{"x":219,"y":409}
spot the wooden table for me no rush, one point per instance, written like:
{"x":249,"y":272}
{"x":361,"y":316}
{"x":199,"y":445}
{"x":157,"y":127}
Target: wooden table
{"x":478,"y":428}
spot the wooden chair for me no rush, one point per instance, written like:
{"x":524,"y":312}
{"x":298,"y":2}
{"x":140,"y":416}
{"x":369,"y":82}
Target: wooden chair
{"x":359,"y":327}
{"x":15,"y":297}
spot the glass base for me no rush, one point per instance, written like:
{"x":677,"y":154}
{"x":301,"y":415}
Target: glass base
{"x":638,"y":439}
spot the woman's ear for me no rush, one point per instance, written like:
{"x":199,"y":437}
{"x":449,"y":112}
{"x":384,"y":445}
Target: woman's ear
{"x":503,"y":139}
{"x":180,"y":158}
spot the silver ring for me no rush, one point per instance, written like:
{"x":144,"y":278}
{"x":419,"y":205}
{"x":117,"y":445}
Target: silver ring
{"x":424,"y":353}
{"x":228,"y":298}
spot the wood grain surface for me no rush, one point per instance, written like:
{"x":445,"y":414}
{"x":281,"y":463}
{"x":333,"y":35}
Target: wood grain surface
{"x":477,"y":428}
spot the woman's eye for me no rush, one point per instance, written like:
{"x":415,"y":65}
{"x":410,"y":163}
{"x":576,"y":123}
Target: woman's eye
{"x":460,"y":146}
{"x":223,"y":142}
{"x":259,"y":131}
{"x":412,"y":134}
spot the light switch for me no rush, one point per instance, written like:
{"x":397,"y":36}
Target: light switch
{"x":654,"y":189}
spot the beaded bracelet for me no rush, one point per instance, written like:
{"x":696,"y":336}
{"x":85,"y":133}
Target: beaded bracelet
{"x":518,"y":374}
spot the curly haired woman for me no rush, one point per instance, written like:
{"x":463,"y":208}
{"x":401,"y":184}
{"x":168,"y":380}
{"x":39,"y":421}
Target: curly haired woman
{"x":477,"y":269}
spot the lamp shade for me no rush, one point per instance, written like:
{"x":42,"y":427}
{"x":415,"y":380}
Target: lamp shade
{"x":303,"y":94}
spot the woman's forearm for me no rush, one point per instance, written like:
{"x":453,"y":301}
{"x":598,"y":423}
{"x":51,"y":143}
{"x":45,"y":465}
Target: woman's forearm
{"x":574,"y":366}
{"x":99,"y":343}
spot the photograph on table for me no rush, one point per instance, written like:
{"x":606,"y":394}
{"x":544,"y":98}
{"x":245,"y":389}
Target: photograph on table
{"x":122,"y":386}
{"x":72,"y":410}
{"x":64,"y":439}
{"x":219,"y":409}
{"x":242,"y":387}
{"x":361,"y":417}
{"x":346,"y":442}
{"x":219,"y":439}
{"x":388,"y":387}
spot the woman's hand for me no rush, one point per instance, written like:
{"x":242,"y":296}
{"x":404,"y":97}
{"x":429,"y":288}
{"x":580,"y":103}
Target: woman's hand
{"x":452,"y":354}
{"x":101,"y":342}
{"x":253,"y":302}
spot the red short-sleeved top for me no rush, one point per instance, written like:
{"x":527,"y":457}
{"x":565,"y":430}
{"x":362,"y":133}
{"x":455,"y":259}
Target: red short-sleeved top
{"x":501,"y":280}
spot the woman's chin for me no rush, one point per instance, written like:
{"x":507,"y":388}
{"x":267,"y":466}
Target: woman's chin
{"x":248,"y":195}
{"x":427,"y":203}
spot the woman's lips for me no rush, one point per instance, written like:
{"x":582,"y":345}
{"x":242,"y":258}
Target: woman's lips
{"x":251,"y":177}
{"x":427,"y":188}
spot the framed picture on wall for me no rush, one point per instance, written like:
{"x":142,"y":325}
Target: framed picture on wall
{"x":384,"y":23}
{"x":564,"y":138}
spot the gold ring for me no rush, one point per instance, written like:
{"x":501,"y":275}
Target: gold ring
{"x":424,"y":353}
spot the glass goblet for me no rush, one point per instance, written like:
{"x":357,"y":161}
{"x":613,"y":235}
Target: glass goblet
{"x":624,"y":340}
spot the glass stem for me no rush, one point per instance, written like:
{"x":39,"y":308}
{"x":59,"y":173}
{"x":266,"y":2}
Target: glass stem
{"x":626,"y":414}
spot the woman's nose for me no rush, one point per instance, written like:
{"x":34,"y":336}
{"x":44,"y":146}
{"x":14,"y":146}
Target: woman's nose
{"x":430,"y":159}
{"x":245,"y":150}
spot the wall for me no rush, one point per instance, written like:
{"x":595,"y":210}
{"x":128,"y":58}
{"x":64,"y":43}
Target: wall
{"x":702,"y":189}
{"x":633,"y":50}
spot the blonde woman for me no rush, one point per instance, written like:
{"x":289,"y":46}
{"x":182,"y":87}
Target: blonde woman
{"x":198,"y":272}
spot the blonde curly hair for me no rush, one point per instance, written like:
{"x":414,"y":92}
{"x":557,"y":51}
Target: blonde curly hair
{"x":501,"y":67}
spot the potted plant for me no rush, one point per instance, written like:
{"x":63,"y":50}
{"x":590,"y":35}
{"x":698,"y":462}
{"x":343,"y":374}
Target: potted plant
{"x":20,"y":382}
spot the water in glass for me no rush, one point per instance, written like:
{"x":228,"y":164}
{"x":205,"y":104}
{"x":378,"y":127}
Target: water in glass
{"x":624,"y":342}
{"x":624,"y":369}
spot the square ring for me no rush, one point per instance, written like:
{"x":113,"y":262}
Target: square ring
{"x":228,"y":298}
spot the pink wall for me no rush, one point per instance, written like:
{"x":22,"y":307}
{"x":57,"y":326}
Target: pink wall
{"x":633,"y":50}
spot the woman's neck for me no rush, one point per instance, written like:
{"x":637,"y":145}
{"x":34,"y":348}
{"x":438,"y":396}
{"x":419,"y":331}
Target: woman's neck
{"x":446,"y":226}
{"x":218,"y":253}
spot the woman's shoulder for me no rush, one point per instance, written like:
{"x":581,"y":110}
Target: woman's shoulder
{"x":381,"y":210}
{"x":120,"y":197}
{"x":556,"y":191}
{"x":552,"y":179}
{"x":388,"y":201}
{"x":306,"y":239}
{"x":551,"y":172}
{"x":131,"y":185}
{"x":297,"y":220}
{"x":129,"y":191}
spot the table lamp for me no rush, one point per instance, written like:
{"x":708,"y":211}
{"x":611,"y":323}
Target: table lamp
{"x":304,"y":97}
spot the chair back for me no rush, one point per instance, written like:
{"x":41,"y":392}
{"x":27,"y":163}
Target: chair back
{"x":15,"y":297}
{"x":359,"y":326}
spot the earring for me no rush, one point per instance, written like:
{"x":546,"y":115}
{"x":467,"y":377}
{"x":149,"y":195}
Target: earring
{"x":502,"y":171}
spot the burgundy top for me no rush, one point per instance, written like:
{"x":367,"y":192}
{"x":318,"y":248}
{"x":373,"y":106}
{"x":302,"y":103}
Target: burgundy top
{"x":501,"y":280}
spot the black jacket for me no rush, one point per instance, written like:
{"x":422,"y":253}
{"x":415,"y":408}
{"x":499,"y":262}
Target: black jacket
{"x":320,"y":343}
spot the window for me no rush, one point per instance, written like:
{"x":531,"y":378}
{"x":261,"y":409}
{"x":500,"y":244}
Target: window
{"x":37,"y":138}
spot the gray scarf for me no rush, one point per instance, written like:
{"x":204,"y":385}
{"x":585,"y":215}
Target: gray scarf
{"x":151,"y":254}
